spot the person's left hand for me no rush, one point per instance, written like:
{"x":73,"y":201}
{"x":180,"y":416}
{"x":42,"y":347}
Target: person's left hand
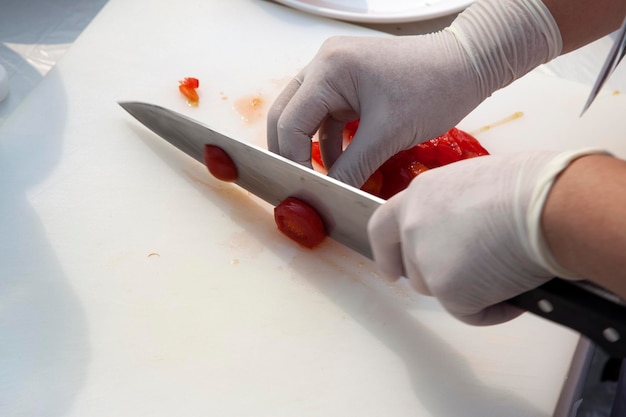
{"x":404,"y":90}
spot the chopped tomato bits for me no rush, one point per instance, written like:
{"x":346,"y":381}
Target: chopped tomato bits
{"x":187,"y":87}
{"x":300,"y":222}
{"x":220,"y":165}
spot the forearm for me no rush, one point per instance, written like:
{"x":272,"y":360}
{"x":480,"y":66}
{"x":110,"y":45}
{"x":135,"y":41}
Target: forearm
{"x":583,"y":21}
{"x":584,"y":220}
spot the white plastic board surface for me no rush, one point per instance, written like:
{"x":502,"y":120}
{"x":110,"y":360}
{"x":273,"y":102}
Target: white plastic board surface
{"x":133,"y":284}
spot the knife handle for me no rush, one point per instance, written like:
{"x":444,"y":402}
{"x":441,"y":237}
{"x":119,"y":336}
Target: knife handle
{"x":588,"y":312}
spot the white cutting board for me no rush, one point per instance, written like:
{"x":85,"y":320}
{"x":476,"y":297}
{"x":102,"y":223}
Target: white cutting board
{"x":133,"y":284}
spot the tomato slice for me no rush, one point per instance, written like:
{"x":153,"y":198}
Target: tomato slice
{"x":220,"y":165}
{"x":299,"y":222}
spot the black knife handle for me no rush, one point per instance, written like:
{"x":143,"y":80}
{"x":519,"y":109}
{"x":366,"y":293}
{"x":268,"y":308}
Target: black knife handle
{"x":588,"y":312}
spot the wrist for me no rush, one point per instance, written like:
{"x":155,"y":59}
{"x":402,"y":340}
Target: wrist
{"x":535,"y":214}
{"x":505,"y":39}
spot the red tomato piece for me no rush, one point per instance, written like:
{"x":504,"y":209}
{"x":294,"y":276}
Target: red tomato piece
{"x":452,"y":146}
{"x":220,"y":165}
{"x":316,"y":154}
{"x":190,"y":94}
{"x":374,"y":183}
{"x":350,"y":129}
{"x":300,"y":222}
{"x":469,"y":144}
{"x":190,"y":82}
{"x":398,"y":172}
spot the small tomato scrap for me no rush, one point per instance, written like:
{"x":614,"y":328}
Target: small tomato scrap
{"x":299,"y":222}
{"x":220,"y":165}
{"x":191,"y":82}
{"x":187,"y":87}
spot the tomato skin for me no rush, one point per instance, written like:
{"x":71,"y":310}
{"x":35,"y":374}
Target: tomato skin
{"x":220,"y":165}
{"x":299,"y":222}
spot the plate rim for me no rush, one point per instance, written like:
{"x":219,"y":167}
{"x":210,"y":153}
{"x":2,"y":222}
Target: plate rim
{"x":420,"y":14}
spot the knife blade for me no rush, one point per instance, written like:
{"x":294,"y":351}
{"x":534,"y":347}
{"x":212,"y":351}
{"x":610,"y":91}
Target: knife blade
{"x":346,"y":210}
{"x":612,"y":61}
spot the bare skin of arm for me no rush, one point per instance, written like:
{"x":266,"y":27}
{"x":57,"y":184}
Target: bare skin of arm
{"x":581,"y":22}
{"x":584,"y":221}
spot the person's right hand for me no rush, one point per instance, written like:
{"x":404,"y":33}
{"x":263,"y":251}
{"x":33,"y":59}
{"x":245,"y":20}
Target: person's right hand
{"x":470,"y":233}
{"x":406,"y":89}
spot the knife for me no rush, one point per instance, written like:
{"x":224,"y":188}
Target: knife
{"x":612,"y":61}
{"x":345,"y":210}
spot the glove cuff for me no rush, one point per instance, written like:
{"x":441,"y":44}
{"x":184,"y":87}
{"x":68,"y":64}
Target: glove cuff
{"x":506,"y":39}
{"x":538,"y":247}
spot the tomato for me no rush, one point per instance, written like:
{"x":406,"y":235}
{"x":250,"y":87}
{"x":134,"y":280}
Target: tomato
{"x":468,"y":143}
{"x":350,"y":129}
{"x":395,"y":174}
{"x":190,"y":82}
{"x":316,"y":155}
{"x":219,"y":163}
{"x":398,"y":171}
{"x":374,"y":183}
{"x":187,"y":88}
{"x":300,"y":222}
{"x":452,"y":146}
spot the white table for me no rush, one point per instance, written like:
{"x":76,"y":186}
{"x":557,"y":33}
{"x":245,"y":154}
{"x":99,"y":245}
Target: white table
{"x":134,"y":284}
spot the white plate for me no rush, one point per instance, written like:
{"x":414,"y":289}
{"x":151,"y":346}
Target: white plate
{"x":379,"y":11}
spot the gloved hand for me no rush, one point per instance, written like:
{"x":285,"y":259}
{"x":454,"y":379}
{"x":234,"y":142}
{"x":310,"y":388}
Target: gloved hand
{"x":406,"y":89}
{"x":469,"y":233}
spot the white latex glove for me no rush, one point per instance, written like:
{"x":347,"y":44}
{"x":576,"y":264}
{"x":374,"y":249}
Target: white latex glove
{"x":469,"y":233}
{"x":406,"y":89}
